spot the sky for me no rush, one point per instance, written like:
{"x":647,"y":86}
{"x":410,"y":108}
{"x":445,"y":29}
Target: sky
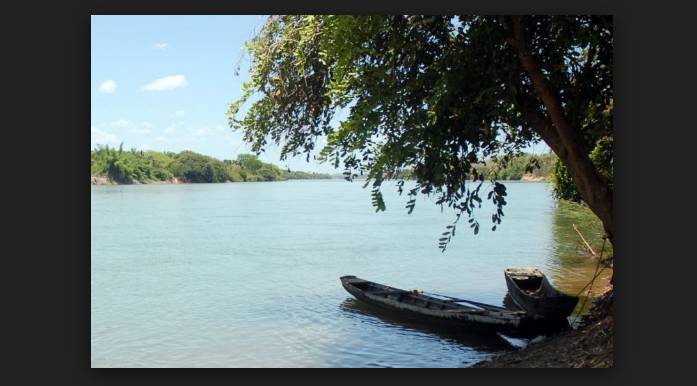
{"x":165,"y":83}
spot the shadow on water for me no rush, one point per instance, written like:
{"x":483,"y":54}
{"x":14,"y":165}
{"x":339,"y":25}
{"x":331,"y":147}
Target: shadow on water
{"x":379,"y":316}
{"x":542,"y":327}
{"x":571,"y":266}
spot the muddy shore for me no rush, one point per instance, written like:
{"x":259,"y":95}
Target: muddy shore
{"x":591,"y":345}
{"x":103,"y":180}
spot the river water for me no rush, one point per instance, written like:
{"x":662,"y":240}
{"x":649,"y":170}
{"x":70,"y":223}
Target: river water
{"x":247,"y":274}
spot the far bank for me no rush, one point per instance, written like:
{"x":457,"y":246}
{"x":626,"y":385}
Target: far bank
{"x":117,"y":166}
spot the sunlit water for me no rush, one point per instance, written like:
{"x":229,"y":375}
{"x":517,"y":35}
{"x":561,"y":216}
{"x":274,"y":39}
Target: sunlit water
{"x":247,"y":274}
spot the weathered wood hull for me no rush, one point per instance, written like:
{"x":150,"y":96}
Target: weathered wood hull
{"x":440,"y":313}
{"x":533,"y":293}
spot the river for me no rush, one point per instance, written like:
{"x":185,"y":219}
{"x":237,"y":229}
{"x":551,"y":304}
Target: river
{"x":247,"y":274}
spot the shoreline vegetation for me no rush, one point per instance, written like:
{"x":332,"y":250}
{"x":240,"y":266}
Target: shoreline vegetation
{"x":524,"y":167}
{"x":111,"y":166}
{"x":590,"y":345}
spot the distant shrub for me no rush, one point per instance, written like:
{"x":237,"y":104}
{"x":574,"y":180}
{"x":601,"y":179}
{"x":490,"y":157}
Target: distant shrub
{"x":126,"y":167}
{"x":516,"y":167}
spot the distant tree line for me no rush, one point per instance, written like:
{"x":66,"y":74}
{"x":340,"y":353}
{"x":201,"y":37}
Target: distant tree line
{"x":545,"y":167}
{"x":516,"y":167}
{"x":437,"y":95}
{"x":138,"y":166}
{"x":508,"y":169}
{"x":550,"y":168}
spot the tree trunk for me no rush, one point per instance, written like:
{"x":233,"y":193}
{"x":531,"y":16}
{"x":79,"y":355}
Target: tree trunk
{"x":565,"y":141}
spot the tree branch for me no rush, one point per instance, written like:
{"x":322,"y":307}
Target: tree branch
{"x":594,"y":190}
{"x":539,"y":123}
{"x":542,"y":88}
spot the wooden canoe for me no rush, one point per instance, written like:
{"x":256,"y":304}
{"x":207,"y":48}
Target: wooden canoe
{"x":461,"y":314}
{"x":533,"y":293}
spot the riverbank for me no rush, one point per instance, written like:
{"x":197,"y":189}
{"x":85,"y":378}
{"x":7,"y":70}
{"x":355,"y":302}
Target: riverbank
{"x":591,"y":345}
{"x":533,"y":178}
{"x":104,"y":180}
{"x":220,"y":235}
{"x":115,"y":166}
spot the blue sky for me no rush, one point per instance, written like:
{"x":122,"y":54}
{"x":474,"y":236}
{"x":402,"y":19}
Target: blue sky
{"x":165,"y":83}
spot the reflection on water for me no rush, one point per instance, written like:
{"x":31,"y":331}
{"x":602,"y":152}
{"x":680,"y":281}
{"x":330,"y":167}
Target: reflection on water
{"x":247,"y":275}
{"x":571,"y":266}
{"x":378,"y":316}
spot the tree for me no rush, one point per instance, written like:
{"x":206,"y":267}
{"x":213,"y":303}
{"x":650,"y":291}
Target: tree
{"x":249,"y":162}
{"x":602,"y":157}
{"x":436,"y":94}
{"x":194,"y":167}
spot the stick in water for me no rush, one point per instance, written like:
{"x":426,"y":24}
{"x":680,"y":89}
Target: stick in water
{"x":584,"y":241}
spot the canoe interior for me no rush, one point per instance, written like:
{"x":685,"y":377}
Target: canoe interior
{"x":532,"y":292}
{"x":410,"y":297}
{"x":529,"y":285}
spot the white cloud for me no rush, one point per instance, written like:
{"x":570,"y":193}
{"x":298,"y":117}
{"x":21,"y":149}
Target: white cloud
{"x":162,"y":139}
{"x":161,"y":46}
{"x":219,"y":128}
{"x":99,"y":137}
{"x":121,"y":123}
{"x":167,"y":83}
{"x":170,"y":130}
{"x":179,"y":113}
{"x":108,"y":87}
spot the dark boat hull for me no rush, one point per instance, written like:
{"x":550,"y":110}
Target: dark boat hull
{"x":538,"y":297}
{"x":453,"y":316}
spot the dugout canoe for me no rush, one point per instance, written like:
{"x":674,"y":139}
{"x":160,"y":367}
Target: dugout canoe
{"x":458,"y":313}
{"x":533,"y":293}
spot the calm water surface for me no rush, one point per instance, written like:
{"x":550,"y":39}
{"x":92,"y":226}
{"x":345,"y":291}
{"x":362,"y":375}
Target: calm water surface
{"x":247,"y":274}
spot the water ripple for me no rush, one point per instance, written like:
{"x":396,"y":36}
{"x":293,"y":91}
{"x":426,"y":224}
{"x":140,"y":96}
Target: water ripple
{"x":246,"y":275}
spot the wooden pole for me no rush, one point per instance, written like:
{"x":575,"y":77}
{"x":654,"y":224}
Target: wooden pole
{"x":584,"y":241}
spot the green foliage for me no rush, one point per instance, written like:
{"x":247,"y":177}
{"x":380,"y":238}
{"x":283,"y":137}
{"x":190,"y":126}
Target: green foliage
{"x":513,"y":169}
{"x":194,"y":167}
{"x":563,"y":185}
{"x":234,"y":171}
{"x":127,"y":167}
{"x":297,"y":175}
{"x":160,"y":164}
{"x":435,"y":95}
{"x":249,"y":162}
{"x":602,"y":157}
